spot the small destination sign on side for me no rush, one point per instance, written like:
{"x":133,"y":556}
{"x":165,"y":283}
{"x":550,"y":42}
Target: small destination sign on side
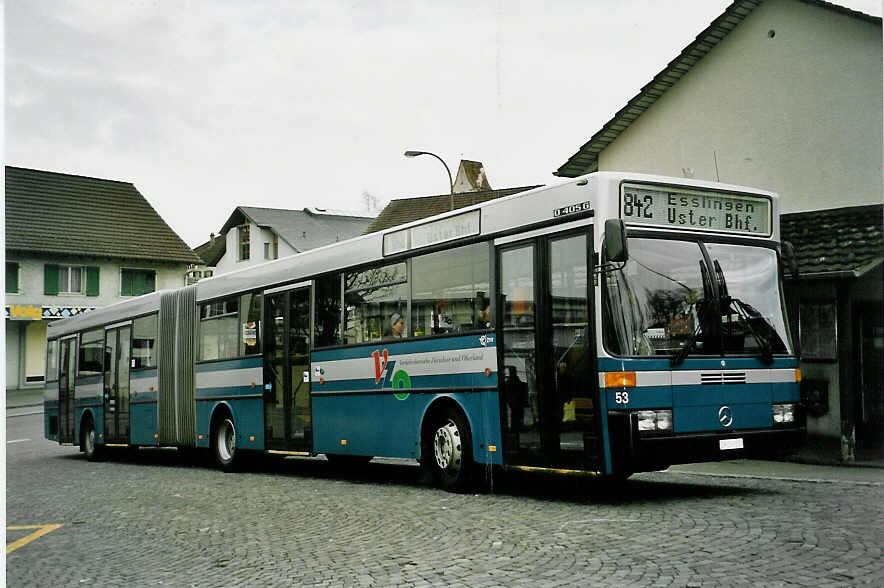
{"x":572,"y":209}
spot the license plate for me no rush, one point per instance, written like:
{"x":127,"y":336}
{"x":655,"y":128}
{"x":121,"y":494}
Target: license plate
{"x":725,"y":444}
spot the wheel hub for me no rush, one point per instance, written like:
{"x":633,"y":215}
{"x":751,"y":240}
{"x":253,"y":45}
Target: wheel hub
{"x":447,"y":447}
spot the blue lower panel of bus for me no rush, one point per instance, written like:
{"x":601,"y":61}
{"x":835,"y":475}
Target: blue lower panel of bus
{"x":248,"y":414}
{"x":143,"y":423}
{"x":381,"y":424}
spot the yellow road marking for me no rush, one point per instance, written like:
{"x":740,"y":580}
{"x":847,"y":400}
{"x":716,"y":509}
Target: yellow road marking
{"x":41,"y":530}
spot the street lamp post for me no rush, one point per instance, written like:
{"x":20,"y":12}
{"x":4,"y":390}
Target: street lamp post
{"x":450,"y":181}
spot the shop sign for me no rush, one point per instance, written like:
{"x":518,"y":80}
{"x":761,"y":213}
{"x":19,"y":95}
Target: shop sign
{"x":29,"y":312}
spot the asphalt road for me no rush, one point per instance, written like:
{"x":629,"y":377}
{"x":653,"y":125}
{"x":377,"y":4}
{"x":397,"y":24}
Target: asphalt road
{"x":156,"y":519}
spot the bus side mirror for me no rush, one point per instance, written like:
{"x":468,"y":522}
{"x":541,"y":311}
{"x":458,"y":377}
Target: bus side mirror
{"x":615,"y":240}
{"x":790,"y":259}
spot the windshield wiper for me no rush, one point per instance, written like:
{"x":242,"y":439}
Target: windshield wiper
{"x":704,"y":305}
{"x":747,"y":313}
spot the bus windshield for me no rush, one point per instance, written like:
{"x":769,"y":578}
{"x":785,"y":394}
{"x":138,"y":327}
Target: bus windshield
{"x":671,"y":299}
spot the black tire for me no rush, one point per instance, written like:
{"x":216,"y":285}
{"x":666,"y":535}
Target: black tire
{"x":447,"y":450}
{"x":223,"y":442}
{"x":93,"y":451}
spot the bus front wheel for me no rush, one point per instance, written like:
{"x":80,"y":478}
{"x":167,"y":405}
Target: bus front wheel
{"x":448,"y":450}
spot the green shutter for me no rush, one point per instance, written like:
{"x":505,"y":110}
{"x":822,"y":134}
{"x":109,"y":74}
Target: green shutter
{"x":11,"y":277}
{"x":126,"y":283}
{"x":92,"y":274}
{"x":50,"y":279}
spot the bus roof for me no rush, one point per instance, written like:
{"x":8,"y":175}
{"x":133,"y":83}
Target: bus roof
{"x":600,"y":189}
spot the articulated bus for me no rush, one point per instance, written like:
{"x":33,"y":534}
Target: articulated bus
{"x":611,"y":324}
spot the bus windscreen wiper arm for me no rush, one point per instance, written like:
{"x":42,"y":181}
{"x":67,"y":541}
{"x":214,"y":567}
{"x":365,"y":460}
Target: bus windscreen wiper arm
{"x":703,"y":305}
{"x":746,"y":313}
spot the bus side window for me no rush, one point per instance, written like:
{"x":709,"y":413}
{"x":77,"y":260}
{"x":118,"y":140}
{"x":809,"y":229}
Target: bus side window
{"x":449,"y":291}
{"x":373,"y":298}
{"x":91,"y":350}
{"x":144,"y":342}
{"x":327,"y":320}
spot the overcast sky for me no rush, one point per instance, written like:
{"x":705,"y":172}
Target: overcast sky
{"x":205,"y":106}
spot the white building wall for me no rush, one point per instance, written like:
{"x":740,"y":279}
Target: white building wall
{"x":26,"y":335}
{"x":258,"y":236}
{"x":799,"y":113}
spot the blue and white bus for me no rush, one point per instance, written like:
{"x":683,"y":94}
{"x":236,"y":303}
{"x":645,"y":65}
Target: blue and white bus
{"x":611,"y":324}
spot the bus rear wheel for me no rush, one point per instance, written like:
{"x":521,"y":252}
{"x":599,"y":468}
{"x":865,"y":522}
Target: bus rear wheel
{"x":93,"y":451}
{"x":448,"y":451}
{"x":224,"y":443}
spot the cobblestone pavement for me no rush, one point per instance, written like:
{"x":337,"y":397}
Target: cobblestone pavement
{"x":156,"y":519}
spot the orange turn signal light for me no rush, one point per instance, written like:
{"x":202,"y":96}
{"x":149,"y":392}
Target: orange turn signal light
{"x":620,"y":380}
{"x":798,"y":375}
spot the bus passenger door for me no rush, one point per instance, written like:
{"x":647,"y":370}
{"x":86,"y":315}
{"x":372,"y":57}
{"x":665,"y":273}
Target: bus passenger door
{"x":549,"y":394}
{"x":67,"y":370}
{"x":287,"y":408}
{"x":117,"y":354}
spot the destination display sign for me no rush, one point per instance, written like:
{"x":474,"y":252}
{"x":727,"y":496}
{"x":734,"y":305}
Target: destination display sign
{"x":440,"y":231}
{"x":695,"y":209}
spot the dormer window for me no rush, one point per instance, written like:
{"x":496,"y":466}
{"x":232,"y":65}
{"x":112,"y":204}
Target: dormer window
{"x":271,"y":248}
{"x":244,"y":244}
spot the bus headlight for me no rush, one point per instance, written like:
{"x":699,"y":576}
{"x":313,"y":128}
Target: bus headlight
{"x":783,"y":413}
{"x":654,"y":420}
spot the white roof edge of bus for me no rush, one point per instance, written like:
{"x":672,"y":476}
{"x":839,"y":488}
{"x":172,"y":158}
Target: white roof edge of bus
{"x":337,"y":256}
{"x":144,"y":304}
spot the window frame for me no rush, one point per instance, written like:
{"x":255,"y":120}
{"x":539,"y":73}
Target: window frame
{"x":244,"y":243}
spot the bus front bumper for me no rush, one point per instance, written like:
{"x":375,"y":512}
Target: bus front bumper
{"x":641,"y":453}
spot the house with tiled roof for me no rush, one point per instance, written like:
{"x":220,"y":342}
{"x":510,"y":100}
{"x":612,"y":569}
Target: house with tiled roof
{"x":74,"y":243}
{"x":253,"y":235}
{"x":785,"y":95}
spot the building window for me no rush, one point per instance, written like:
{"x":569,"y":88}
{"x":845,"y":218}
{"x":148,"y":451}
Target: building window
{"x":271,"y":248}
{"x":818,"y":328}
{"x":134,"y":282}
{"x":70,"y":279}
{"x":11,"y":277}
{"x":244,"y":244}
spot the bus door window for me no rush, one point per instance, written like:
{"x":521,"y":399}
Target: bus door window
{"x":66,"y":390}
{"x":520,"y":409}
{"x":274,"y":362}
{"x":117,"y":353}
{"x":299,"y":361}
{"x":571,"y":403}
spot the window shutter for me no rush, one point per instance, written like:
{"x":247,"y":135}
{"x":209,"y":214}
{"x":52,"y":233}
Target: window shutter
{"x":11,"y":278}
{"x":50,"y":279}
{"x":92,"y":283}
{"x":126,"y":283}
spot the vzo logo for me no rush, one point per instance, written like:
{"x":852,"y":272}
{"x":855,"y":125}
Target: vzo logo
{"x":384,"y":372}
